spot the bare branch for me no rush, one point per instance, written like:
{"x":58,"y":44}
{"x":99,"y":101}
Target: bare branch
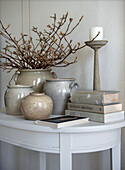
{"x":52,"y":47}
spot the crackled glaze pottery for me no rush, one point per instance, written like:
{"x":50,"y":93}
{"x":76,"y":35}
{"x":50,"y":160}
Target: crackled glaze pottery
{"x":35,"y":77}
{"x":59,"y":91}
{"x":13,"y":96}
{"x":36,"y":106}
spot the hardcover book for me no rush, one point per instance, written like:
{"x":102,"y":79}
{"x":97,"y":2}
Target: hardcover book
{"x":95,"y":117}
{"x":62,"y":121}
{"x":94,"y":97}
{"x":95,"y":108}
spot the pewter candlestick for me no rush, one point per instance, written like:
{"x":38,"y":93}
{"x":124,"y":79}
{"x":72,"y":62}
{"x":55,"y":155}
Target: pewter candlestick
{"x":96,"y":45}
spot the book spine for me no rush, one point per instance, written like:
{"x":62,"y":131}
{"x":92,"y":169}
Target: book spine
{"x":95,"y":108}
{"x":94,"y":98}
{"x":86,"y":107}
{"x":102,"y":118}
{"x":86,"y":99}
{"x":93,"y":117}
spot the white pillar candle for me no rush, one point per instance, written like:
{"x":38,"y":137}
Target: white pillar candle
{"x":94,"y":31}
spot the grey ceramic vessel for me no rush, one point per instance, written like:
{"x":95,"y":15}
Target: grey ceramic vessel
{"x":59,"y":91}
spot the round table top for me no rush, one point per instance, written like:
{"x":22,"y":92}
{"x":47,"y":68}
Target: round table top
{"x":19,"y":122}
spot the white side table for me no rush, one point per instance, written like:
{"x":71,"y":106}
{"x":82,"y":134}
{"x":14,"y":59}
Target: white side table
{"x":85,"y":138}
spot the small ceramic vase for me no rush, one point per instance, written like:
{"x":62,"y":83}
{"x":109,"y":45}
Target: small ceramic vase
{"x":13,"y":96}
{"x":36,"y":106}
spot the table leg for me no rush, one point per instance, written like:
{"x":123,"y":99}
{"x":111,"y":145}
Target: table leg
{"x":42,"y":161}
{"x":116,"y":157}
{"x":65,"y":152}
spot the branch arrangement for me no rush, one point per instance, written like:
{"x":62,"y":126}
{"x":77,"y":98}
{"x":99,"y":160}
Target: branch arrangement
{"x":51,"y":49}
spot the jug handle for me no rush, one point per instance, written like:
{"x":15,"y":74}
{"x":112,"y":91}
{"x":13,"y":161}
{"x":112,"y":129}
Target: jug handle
{"x":14,"y":77}
{"x":5,"y":96}
{"x":54,"y":74}
{"x":73,"y":86}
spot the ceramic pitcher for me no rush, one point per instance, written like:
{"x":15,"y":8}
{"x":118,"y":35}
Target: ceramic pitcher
{"x":59,"y":91}
{"x":13,"y":97}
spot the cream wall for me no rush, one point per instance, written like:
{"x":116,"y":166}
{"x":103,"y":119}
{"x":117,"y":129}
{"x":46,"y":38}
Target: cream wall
{"x":106,"y":13}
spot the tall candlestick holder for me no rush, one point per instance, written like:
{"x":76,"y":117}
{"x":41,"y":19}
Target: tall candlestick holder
{"x":96,"y":45}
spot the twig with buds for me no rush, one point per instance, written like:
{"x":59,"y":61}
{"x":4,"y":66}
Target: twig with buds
{"x":51,"y":50}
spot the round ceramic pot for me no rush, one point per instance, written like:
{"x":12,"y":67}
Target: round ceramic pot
{"x":35,"y":77}
{"x":13,"y":97}
{"x":37,"y":106}
{"x":59,"y":91}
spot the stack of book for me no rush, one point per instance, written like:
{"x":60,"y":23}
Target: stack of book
{"x":99,"y":106}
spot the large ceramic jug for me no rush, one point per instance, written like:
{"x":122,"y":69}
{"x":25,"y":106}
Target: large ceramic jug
{"x":59,"y":91}
{"x":35,"y":77}
{"x":13,"y":97}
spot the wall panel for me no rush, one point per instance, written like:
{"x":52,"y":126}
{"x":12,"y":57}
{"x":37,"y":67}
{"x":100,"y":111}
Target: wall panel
{"x":23,"y":14}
